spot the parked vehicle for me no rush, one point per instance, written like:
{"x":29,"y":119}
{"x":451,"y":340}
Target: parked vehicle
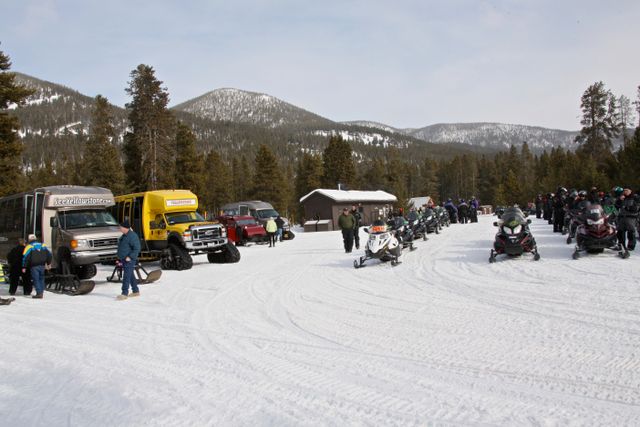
{"x":242,"y":229}
{"x":514,"y":237}
{"x":261,"y":211}
{"x":382,"y":245}
{"x":171,"y":230}
{"x":596,"y":234}
{"x":73,"y":221}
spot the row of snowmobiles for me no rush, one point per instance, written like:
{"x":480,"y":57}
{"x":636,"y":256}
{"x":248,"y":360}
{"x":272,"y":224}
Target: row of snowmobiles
{"x":594,"y":232}
{"x":388,"y":238}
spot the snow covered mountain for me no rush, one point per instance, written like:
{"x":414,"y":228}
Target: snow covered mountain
{"x":55,"y":110}
{"x":498,"y":136}
{"x":373,"y":125}
{"x":234,"y":105}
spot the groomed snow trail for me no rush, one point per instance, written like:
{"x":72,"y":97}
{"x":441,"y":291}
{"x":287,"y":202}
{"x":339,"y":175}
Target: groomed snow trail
{"x":295,"y":335}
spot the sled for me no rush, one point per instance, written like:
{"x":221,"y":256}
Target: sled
{"x":139,"y":270}
{"x":69,"y":284}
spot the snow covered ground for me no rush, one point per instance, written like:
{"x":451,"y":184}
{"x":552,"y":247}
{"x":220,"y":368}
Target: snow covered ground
{"x":295,"y":335}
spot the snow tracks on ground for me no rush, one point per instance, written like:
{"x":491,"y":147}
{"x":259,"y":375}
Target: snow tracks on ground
{"x":295,"y":335}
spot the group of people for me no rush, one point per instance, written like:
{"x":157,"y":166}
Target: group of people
{"x":274,"y":228}
{"x":29,"y":260}
{"x":463,"y":212}
{"x":622,"y":205}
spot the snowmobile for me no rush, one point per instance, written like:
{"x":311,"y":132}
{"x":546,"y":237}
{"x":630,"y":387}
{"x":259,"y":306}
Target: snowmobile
{"x":596,"y":234}
{"x":514,"y":237}
{"x":431,"y":223}
{"x":382,"y":244}
{"x":403,"y":232}
{"x":443,"y":216}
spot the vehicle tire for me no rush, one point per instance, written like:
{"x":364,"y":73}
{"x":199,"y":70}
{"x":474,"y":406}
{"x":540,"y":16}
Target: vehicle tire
{"x":182,"y":259}
{"x":231,"y":254}
{"x":85,"y":272}
{"x":215,"y":257}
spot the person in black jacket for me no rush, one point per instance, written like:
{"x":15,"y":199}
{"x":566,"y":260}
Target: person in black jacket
{"x":36,"y":258}
{"x":539,"y":204}
{"x":280,"y":225}
{"x":628,"y":207}
{"x":357,"y":215}
{"x":558,"y":209}
{"x":16,"y":276}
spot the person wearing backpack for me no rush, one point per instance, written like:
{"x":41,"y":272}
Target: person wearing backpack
{"x":36,"y":257}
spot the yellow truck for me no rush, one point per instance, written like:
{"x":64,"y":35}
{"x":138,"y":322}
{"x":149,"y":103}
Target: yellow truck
{"x":171,"y":230}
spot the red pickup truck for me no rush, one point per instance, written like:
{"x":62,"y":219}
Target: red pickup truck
{"x":242,"y":229}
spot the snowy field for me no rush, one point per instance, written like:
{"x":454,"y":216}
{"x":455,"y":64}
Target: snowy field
{"x":294,"y":335}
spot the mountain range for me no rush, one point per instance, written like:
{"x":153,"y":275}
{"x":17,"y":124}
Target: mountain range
{"x":233,"y":120}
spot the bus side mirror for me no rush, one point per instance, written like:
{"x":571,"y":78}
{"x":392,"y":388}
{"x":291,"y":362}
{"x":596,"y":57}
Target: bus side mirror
{"x":528,"y":221}
{"x":53,"y":222}
{"x":366,"y":230}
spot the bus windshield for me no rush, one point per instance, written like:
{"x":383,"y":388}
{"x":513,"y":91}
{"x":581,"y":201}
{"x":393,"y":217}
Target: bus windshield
{"x":267,"y":213}
{"x":182,"y":217}
{"x":88,"y":218}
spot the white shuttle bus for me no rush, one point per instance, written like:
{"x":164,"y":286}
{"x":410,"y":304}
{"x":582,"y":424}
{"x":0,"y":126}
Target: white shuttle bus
{"x":73,"y":221}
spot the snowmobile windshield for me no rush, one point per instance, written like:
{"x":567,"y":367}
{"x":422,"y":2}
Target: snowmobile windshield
{"x":595,"y":215}
{"x":183,"y":217}
{"x":378,"y":229}
{"x":88,"y":218}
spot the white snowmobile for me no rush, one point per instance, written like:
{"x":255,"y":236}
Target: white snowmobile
{"x":382,"y":245}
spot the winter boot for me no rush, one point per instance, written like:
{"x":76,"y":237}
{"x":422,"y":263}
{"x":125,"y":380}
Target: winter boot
{"x":121,"y":297}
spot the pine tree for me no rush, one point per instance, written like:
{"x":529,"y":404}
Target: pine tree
{"x":150,"y":146}
{"x":308,"y":178}
{"x":102,"y":157}
{"x":10,"y":146}
{"x":188,"y":171}
{"x":268,"y":181}
{"x":429,"y":179}
{"x":217,"y":189}
{"x":338,"y":164}
{"x":600,"y":122}
{"x":242,"y":178}
{"x":374,"y":176}
{"x":626,"y":117}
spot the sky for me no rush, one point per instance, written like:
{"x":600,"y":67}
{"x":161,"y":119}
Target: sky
{"x":405,"y":63}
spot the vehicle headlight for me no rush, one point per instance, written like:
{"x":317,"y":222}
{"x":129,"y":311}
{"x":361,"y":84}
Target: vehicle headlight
{"x":223,"y":232}
{"x":80,"y":244}
{"x":429,"y":218}
{"x":595,"y":222}
{"x":187,"y":235}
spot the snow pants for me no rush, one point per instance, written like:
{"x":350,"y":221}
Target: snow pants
{"x":18,"y":278}
{"x":347,"y":238}
{"x":356,"y":237}
{"x":627,"y":232}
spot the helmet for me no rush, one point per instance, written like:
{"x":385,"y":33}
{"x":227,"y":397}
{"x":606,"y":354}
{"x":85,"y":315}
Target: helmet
{"x":617,"y":191}
{"x":582,"y":193}
{"x":561,"y":191}
{"x":574,"y":193}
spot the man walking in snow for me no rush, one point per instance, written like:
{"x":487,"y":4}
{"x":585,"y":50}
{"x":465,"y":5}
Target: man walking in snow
{"x":347,"y":223}
{"x":128,"y":251}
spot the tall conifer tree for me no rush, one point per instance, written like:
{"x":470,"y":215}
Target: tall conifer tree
{"x":268,"y":181}
{"x":10,"y":146}
{"x":102,"y":157}
{"x":150,"y":146}
{"x":338,"y":164}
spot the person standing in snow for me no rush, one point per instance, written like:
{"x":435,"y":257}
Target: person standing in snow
{"x":347,"y":223}
{"x":463,"y":211}
{"x":16,"y":276}
{"x":452,"y":210}
{"x":128,"y":251}
{"x":272,"y":228}
{"x":35,"y":257}
{"x":356,"y":229}
{"x":280,"y":225}
{"x":474,"y":205}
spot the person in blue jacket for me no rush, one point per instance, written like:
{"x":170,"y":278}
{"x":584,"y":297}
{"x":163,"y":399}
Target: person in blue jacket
{"x":452,"y":209}
{"x":35,"y":257}
{"x":128,"y":251}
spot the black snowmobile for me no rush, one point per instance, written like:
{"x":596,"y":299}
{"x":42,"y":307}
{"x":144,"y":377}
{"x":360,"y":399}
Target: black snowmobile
{"x":431,"y":221}
{"x":514,"y":237}
{"x":400,"y":227}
